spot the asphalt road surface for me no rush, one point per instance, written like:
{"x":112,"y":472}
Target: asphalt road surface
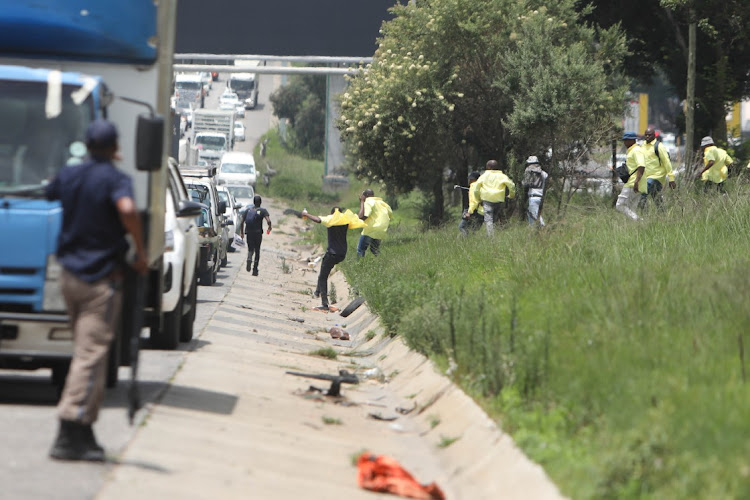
{"x":28,"y":421}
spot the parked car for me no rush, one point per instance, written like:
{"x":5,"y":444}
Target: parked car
{"x":244,"y":194}
{"x":179,"y":269}
{"x":237,"y":168}
{"x":202,"y":188}
{"x":239,"y":131}
{"x":232,"y":213}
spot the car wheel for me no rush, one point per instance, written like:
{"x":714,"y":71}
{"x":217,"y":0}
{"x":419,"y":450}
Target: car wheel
{"x":215,"y":269}
{"x":186,"y":327}
{"x":169,"y":335}
{"x":205,"y":278}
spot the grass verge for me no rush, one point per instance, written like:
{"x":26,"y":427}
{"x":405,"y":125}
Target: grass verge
{"x":612,"y":351}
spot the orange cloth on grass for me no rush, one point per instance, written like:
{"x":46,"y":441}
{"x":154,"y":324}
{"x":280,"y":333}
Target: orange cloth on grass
{"x":384,"y":474}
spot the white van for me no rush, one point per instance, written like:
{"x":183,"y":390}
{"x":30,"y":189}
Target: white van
{"x":237,"y":168}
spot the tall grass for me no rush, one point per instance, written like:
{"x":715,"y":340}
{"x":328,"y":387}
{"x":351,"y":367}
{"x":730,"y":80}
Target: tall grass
{"x":609,"y":349}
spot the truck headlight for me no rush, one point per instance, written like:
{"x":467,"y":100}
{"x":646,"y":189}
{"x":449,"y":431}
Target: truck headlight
{"x":53,"y":299}
{"x":168,"y":241}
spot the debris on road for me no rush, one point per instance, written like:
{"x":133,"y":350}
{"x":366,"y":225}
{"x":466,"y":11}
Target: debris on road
{"x":385,"y":475}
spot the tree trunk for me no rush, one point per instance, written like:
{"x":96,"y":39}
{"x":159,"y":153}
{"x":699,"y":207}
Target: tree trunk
{"x":438,"y":210}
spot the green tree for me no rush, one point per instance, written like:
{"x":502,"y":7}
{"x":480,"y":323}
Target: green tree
{"x":457,"y":82}
{"x":657,"y":39}
{"x":302,"y":102}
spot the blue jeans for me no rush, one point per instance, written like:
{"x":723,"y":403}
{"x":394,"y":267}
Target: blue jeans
{"x":365,"y":242}
{"x":653,"y":189}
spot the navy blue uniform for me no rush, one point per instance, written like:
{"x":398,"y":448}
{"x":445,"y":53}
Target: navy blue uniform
{"x":92,"y":239}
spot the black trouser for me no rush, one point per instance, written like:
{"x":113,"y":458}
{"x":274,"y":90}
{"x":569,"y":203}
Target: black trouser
{"x":329,"y":260}
{"x":253,"y":247}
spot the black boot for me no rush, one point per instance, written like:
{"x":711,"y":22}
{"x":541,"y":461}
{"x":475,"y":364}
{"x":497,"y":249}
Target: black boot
{"x":255,"y":271}
{"x":76,"y":441}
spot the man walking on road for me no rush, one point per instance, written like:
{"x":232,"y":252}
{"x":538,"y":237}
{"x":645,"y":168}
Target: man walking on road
{"x":658,"y":168}
{"x":98,"y":210}
{"x":337,"y":224}
{"x":534,"y":184}
{"x":377,"y":215}
{"x":635,"y":183}
{"x":253,"y":226}
{"x":491,"y":188}
{"x":717,"y":162}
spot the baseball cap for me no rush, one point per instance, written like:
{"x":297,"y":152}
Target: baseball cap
{"x":101,"y":133}
{"x":707,"y":141}
{"x":629,"y":135}
{"x":531,"y":160}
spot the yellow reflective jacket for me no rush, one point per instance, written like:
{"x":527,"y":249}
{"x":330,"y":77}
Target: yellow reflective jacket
{"x":491,"y":187}
{"x":378,"y":217}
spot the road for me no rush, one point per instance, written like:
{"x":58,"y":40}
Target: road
{"x":27,"y":399}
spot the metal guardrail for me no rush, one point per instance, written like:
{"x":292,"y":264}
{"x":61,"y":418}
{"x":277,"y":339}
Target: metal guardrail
{"x":266,"y":70}
{"x":302,"y":59}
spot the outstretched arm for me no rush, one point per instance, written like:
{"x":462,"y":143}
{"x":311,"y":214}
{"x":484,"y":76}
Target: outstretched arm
{"x":313,"y":218}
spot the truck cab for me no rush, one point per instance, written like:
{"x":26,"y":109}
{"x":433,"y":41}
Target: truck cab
{"x":60,"y":69}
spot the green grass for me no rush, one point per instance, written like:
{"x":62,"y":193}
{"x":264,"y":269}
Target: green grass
{"x":608,"y":349}
{"x":331,"y":420}
{"x":325,"y":352}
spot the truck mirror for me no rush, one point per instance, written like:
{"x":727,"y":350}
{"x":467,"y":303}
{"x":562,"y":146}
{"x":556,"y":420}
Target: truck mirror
{"x":222,"y":207}
{"x":149,"y":143}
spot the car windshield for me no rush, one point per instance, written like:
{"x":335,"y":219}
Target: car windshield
{"x":237,"y":168}
{"x":239,"y":125}
{"x":188,"y":85}
{"x":210,"y":141}
{"x":241,"y":191}
{"x":224,"y":196}
{"x":33,"y":147}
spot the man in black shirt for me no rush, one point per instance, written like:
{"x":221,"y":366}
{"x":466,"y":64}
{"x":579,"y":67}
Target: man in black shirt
{"x":98,"y":211}
{"x":337,"y":224}
{"x":253,"y":227}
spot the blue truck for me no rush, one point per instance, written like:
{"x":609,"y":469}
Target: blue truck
{"x":64,"y":63}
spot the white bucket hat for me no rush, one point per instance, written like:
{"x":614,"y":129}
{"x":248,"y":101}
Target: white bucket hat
{"x":707,"y":141}
{"x":531,"y":160}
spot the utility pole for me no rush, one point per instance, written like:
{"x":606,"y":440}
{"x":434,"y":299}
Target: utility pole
{"x":690,"y":111}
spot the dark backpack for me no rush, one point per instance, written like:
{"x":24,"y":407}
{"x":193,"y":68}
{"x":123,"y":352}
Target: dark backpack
{"x":250,"y":215}
{"x":656,"y":151}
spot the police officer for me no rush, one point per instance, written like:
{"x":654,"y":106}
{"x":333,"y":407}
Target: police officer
{"x":98,"y":210}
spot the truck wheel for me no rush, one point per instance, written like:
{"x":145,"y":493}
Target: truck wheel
{"x":169,"y":336}
{"x":186,"y":327}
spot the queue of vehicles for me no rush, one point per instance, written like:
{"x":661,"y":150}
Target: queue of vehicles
{"x":51,"y":88}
